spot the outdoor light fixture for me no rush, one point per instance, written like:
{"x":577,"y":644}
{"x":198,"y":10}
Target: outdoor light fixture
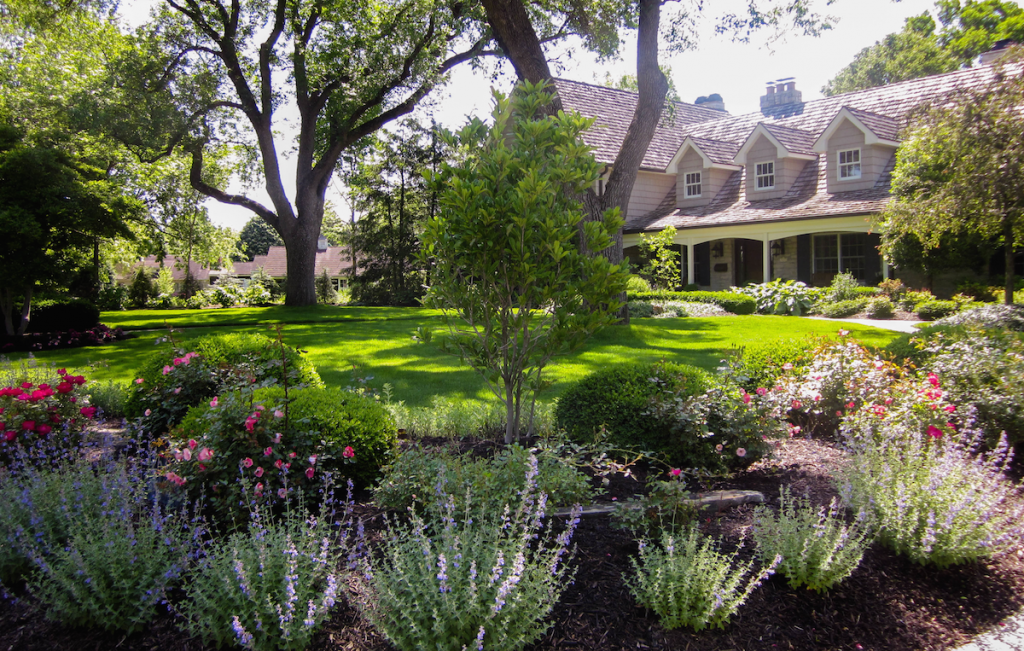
{"x":778,"y":247}
{"x":716,"y":250}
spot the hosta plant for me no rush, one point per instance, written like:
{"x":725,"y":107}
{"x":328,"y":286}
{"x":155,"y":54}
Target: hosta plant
{"x":781,"y":297}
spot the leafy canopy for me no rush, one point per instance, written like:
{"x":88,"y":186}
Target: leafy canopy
{"x":515,"y":286}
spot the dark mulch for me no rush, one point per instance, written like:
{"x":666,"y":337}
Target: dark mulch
{"x":887,"y":604}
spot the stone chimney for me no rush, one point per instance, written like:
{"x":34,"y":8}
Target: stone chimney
{"x":712,"y":101}
{"x":781,"y":93}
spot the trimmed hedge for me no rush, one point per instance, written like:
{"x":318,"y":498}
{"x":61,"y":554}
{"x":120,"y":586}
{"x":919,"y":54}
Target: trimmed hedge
{"x":56,"y":315}
{"x":619,"y":398}
{"x":932,"y":310}
{"x":728,"y":301}
{"x":843,"y":309}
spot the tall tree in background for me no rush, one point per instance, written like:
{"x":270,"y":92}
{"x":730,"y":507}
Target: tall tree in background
{"x":257,"y":237}
{"x":919,"y":50}
{"x":347,"y":68}
{"x":961,"y":169}
{"x":390,"y":185}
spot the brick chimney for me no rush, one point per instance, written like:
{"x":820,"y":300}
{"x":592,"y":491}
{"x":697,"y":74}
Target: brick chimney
{"x":781,"y":93}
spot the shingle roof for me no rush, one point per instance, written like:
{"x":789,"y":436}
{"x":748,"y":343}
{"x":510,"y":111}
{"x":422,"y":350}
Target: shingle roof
{"x":176,"y":265}
{"x":883,"y":126}
{"x":718,"y":151}
{"x":335,"y":259}
{"x":796,"y":141}
{"x":613,"y":110}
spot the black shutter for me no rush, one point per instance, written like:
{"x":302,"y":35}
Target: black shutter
{"x":803,"y":258}
{"x":702,"y":263}
{"x":872,"y":259}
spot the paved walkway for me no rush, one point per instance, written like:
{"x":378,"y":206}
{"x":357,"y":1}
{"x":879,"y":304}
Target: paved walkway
{"x":885,"y":324}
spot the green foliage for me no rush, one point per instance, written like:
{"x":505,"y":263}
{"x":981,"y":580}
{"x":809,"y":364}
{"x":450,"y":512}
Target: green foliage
{"x":452,"y":580}
{"x":54,"y":315}
{"x":932,"y":310}
{"x":728,"y":301}
{"x":342,"y":419}
{"x":893,"y":288}
{"x":108,"y":398}
{"x":326,"y":294}
{"x":933,"y":500}
{"x":687,"y":581}
{"x":269,"y":587}
{"x":257,"y":236}
{"x":818,"y":549}
{"x":660,"y":263}
{"x":262,"y":278}
{"x":781,"y":297}
{"x":843,"y":288}
{"x":880,"y":308}
{"x":637,"y":284}
{"x":455,"y":418}
{"x":665,"y":507}
{"x":617,"y":401}
{"x":51,"y":412}
{"x":640,"y":310}
{"x":120,"y":557}
{"x":169,"y":383}
{"x":843,"y":309}
{"x":759,"y":364}
{"x":414,"y":475}
{"x":508,"y":271}
{"x":141,"y":289}
{"x":958,"y":171}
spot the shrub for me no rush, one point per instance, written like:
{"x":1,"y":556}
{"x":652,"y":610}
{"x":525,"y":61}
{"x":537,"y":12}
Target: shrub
{"x":932,"y":310}
{"x":325,"y":292}
{"x":880,"y":308}
{"x":256,"y":294}
{"x":818,"y":549}
{"x":666,"y":506}
{"x":196,"y":301}
{"x":843,"y":288}
{"x":449,"y":582}
{"x":457,"y":418}
{"x":688,"y":308}
{"x":108,"y":398}
{"x":976,"y":291}
{"x":689,"y":582}
{"x":912,"y":299}
{"x":781,"y":297}
{"x":63,"y":314}
{"x":415,"y":473}
{"x":1010,"y":317}
{"x":617,"y":400}
{"x":719,"y":430}
{"x":729,"y":301}
{"x":271,"y":586}
{"x":112,"y":297}
{"x":640,"y":310}
{"x":226,"y":294}
{"x":121,"y":554}
{"x":893,"y":288}
{"x":934,"y":500}
{"x":141,"y":289}
{"x":759,"y":364}
{"x":843,"y":309}
{"x":637,"y":283}
{"x":169,"y":384}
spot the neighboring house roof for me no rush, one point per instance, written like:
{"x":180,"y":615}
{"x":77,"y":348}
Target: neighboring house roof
{"x":335,"y":259}
{"x":243,"y":268}
{"x":176,"y":265}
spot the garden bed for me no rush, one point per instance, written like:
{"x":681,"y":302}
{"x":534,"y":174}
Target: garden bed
{"x":888,"y":602}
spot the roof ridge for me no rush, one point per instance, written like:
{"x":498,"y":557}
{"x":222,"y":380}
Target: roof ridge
{"x":636,"y":95}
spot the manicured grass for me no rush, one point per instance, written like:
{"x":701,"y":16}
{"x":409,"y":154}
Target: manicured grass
{"x":240,"y":316}
{"x":383,"y":348}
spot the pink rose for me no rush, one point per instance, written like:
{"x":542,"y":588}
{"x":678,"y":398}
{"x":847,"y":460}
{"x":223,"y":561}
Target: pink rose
{"x":186,"y":454}
{"x":291,"y":455}
{"x":278,"y":414}
{"x":761,"y":391}
{"x":277,"y":438}
{"x":278,"y":464}
{"x":258,"y":489}
{"x":949,"y":408}
{"x":675,"y":472}
{"x":933,"y":380}
{"x":741,"y":452}
{"x":177,"y":391}
{"x":934,"y":432}
{"x":797,"y":404}
{"x":139,"y":380}
{"x":787,"y":367}
{"x":205,"y":454}
{"x":149,"y":412}
{"x":167,"y":370}
{"x":309,"y":472}
{"x":213,"y":403}
{"x":746,"y":398}
{"x":247,"y":462}
{"x":348,"y":452}
{"x":192,"y":444}
{"x":312,"y":457}
{"x":269,"y":451}
{"x":258,"y":472}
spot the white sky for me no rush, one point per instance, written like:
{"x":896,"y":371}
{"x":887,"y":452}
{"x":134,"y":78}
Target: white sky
{"x":738,"y":72}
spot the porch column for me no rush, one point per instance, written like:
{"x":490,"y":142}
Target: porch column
{"x":766,"y":257}
{"x":690,"y":278}
{"x":885,"y":270}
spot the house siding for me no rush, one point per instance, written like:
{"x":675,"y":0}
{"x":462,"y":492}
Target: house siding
{"x":786,"y":170}
{"x":648,"y":191}
{"x":784,"y":266}
{"x":873,"y":159}
{"x":692,"y":162}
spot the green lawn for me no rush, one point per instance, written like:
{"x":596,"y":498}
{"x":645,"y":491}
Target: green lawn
{"x":378,"y":341}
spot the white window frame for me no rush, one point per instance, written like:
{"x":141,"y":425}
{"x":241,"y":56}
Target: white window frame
{"x":764,"y":175}
{"x":692,"y":181}
{"x":850,"y":168}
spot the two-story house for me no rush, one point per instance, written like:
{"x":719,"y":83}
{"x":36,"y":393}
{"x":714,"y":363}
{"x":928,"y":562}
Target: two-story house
{"x":788,"y":192}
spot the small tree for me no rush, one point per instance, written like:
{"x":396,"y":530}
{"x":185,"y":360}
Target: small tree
{"x":141,"y":289}
{"x":325,"y":292}
{"x":508,"y":273}
{"x":961,"y":170}
{"x":660,"y":263}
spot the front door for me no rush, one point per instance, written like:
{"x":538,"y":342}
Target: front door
{"x":749,"y":261}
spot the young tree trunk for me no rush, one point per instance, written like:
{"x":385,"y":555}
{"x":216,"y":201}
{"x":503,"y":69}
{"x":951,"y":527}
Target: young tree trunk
{"x":1009,"y":258}
{"x":26,"y":310}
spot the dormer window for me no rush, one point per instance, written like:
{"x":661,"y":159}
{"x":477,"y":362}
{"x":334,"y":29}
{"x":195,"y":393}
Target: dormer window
{"x":693,"y":185}
{"x":764,"y":175}
{"x":849,"y":165}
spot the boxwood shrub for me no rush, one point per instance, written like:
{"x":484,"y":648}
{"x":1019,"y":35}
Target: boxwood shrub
{"x":760,"y":363}
{"x":619,"y":399}
{"x":728,"y":301}
{"x":171,"y":382}
{"x":56,"y":315}
{"x":932,"y":310}
{"x":844,"y":309}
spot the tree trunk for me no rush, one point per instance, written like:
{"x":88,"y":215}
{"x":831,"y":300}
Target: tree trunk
{"x":7,"y":307}
{"x":1008,"y":239}
{"x":300,"y":242}
{"x":26,"y":310}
